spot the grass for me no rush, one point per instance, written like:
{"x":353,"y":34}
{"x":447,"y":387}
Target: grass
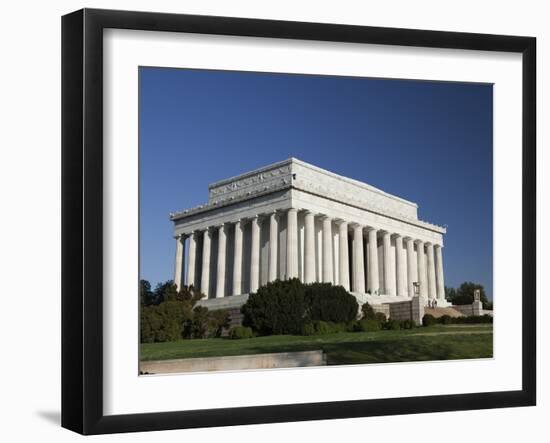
{"x":420,"y":344}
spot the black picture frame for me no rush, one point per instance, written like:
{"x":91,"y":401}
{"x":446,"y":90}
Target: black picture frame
{"x":82,"y":215}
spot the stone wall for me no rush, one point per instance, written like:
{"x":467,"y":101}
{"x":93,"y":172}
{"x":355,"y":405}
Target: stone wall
{"x":235,"y":362}
{"x":476,"y":308}
{"x":404,"y":310}
{"x":383,"y":308}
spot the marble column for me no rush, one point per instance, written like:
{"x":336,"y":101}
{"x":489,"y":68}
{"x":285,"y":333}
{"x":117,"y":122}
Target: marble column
{"x":358,"y":270}
{"x":421,"y":269}
{"x":255,"y":255}
{"x":292,"y":244}
{"x":374,"y":283}
{"x":401,"y":270}
{"x":309,"y":246}
{"x":205,"y":272}
{"x":180,"y":261}
{"x":439,"y":272}
{"x":328,"y":276}
{"x":432,"y":290}
{"x":343,"y":257}
{"x":192,"y":257}
{"x":389,"y":281}
{"x":411,"y":274}
{"x":238,"y":259}
{"x":220,"y":274}
{"x":273,"y":245}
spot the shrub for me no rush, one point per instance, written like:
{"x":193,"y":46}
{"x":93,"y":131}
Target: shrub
{"x":277,"y":308}
{"x":337,"y":328}
{"x":351,"y":326}
{"x":169,"y":317}
{"x":428,"y":320}
{"x":371,"y":325}
{"x":407,"y":324}
{"x":322,"y":327}
{"x":286,"y":307}
{"x":198,"y":326}
{"x":380,"y":317}
{"x":445,"y":319}
{"x":240,"y":332}
{"x":476,"y":319}
{"x":368,"y":312}
{"x":330,"y":303}
{"x":218,"y":320}
{"x":308,"y":329}
{"x":392,"y":325}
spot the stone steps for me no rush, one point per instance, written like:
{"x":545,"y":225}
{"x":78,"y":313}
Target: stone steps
{"x":439,"y":312}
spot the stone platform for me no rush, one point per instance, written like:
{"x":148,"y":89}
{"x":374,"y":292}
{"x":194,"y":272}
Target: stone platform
{"x":235,"y":363}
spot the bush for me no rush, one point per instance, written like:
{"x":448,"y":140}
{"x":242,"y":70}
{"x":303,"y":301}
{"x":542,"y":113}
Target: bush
{"x":198,"y":325}
{"x":392,"y":325}
{"x":380,"y":317}
{"x":472,"y":319}
{"x":308,"y":329}
{"x":445,"y":319}
{"x":407,"y":324}
{"x":170,"y":316}
{"x":428,"y":320}
{"x":240,"y":332}
{"x":322,"y":327}
{"x":287,"y":307}
{"x":218,"y":320}
{"x":330,"y":303}
{"x":368,"y":312}
{"x":277,"y":308}
{"x":368,"y":325}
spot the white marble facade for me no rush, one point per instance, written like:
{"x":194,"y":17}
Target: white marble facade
{"x":293,"y":219}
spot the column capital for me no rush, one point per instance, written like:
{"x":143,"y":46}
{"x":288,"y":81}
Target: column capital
{"x":340,"y":221}
{"x":291,"y":210}
{"x":418,"y":242}
{"x":372,"y":228}
{"x":355,"y":225}
{"x":438,"y":246}
{"x":324,"y":217}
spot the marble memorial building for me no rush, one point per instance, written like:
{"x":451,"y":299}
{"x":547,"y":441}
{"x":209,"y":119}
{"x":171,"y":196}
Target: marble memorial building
{"x":293,"y":219}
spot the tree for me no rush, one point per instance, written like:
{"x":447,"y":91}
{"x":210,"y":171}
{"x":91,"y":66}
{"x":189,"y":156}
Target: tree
{"x":327,"y":302}
{"x":277,"y":308}
{"x":172,"y":315}
{"x":465,"y":294}
{"x":450,"y":293}
{"x":145,"y":293}
{"x":163,"y":291}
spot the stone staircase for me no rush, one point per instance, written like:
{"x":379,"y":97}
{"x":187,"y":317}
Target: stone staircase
{"x":439,"y":312}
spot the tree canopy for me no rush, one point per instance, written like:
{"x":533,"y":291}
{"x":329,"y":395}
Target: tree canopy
{"x":464,"y":294}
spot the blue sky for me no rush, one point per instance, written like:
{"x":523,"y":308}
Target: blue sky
{"x":429,"y":142}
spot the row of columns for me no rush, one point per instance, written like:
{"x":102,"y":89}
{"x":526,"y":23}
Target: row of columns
{"x":399,"y":272}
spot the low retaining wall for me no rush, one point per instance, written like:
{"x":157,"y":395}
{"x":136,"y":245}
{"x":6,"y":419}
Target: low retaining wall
{"x":476,"y":308}
{"x":384,"y":309}
{"x":236,"y":362}
{"x":403,"y":310}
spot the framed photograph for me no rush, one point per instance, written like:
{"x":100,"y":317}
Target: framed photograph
{"x":269,"y":221}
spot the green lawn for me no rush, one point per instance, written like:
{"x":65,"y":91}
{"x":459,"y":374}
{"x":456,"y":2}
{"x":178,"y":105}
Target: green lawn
{"x":420,"y":344}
